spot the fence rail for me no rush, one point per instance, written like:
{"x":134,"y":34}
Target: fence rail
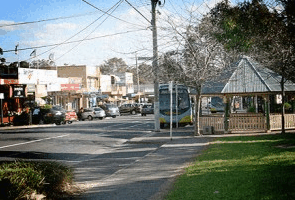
{"x":216,"y":122}
{"x":247,"y":122}
{"x":276,"y":121}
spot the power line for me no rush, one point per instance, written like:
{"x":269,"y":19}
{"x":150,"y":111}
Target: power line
{"x":138,"y":11}
{"x":110,"y":14}
{"x":50,"y":45}
{"x":91,"y":31}
{"x":45,"y":20}
{"x":78,"y":32}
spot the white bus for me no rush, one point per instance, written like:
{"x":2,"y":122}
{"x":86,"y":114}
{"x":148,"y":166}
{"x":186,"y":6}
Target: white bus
{"x":182,"y":112}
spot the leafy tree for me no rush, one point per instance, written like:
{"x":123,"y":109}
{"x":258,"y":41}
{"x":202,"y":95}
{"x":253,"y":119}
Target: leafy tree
{"x":42,"y":63}
{"x":114,"y":65}
{"x":22,"y":64}
{"x":2,"y":60}
{"x":260,"y":31}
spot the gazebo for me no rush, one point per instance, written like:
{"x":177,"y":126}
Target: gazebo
{"x":250,"y":99}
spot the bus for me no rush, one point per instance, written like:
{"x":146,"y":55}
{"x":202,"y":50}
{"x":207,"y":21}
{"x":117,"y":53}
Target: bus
{"x":182,"y":113}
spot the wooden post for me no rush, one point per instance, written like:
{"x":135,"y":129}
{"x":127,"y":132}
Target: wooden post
{"x":226,"y":115}
{"x":267,"y":107}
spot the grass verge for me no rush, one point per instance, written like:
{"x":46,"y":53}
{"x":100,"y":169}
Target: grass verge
{"x":21,"y":179}
{"x":246,"y":167}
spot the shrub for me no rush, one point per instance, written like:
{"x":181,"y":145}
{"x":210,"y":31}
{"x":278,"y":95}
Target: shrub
{"x":252,"y":109}
{"x":21,"y":179}
{"x":287,"y":106}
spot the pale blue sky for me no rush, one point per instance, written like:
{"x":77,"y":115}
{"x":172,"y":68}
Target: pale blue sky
{"x":106,"y":36}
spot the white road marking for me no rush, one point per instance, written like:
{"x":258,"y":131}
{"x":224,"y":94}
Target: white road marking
{"x":12,"y":145}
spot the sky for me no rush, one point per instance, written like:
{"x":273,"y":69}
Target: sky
{"x":80,"y":32}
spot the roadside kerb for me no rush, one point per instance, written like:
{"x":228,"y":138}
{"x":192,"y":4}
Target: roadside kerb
{"x":26,"y":126}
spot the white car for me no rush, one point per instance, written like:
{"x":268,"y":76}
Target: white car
{"x":91,"y":113}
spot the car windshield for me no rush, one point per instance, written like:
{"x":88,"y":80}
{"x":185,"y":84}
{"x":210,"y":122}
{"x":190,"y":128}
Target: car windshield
{"x":57,"y":108}
{"x":111,"y":106}
{"x":97,"y":109}
{"x":147,"y":106}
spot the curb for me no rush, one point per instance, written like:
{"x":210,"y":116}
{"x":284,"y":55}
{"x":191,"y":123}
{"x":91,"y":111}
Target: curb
{"x":26,"y":127}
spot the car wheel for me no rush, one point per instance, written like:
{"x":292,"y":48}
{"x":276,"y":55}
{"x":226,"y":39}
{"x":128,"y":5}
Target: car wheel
{"x":69,"y":122}
{"x":133,"y":112}
{"x":90,"y":118}
{"x":114,"y":116}
{"x":101,"y":118}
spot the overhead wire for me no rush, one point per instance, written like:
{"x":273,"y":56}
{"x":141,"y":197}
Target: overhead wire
{"x":91,"y":31}
{"x":138,"y":11}
{"x":111,"y":15}
{"x":49,"y":45}
{"x":78,"y":32}
{"x":45,"y":20}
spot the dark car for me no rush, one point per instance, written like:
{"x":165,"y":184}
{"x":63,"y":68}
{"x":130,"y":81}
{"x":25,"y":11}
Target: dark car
{"x":129,"y":109}
{"x":55,"y":115}
{"x":111,"y":110}
{"x":147,"y":109}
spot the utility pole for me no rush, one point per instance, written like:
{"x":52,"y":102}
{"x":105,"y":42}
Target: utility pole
{"x":138,"y":90}
{"x":155,"y":66}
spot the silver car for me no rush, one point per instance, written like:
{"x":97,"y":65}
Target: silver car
{"x":111,"y":110}
{"x":91,"y":113}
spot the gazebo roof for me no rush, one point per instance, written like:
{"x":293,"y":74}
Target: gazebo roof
{"x":246,"y":76}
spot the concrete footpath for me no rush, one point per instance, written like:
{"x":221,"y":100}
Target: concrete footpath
{"x":152,"y":176}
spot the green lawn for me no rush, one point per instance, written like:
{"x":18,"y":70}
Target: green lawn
{"x":246,"y":167}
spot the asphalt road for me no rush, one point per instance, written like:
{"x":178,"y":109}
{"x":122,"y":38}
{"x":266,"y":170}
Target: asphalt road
{"x":114,"y":158}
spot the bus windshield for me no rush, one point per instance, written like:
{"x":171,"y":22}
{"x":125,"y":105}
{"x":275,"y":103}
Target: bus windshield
{"x":183,"y":99}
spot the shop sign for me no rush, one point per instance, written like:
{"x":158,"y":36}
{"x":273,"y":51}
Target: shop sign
{"x":18,"y":91}
{"x":69,"y":87}
{"x":31,"y":88}
{"x":8,"y":81}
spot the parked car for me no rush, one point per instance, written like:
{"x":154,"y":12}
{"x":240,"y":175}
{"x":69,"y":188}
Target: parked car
{"x":111,"y":110}
{"x":147,"y":109}
{"x":55,"y":115}
{"x":71,"y":116}
{"x":91,"y":113}
{"x":129,"y":108}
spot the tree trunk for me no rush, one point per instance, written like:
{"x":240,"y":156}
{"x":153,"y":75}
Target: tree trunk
{"x":197,"y":112}
{"x":283,"y":103}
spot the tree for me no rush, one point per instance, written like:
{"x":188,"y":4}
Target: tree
{"x":114,"y":65}
{"x":145,"y":73}
{"x":2,"y":60}
{"x":200,"y":59}
{"x":262,"y":32}
{"x":41,"y":64}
